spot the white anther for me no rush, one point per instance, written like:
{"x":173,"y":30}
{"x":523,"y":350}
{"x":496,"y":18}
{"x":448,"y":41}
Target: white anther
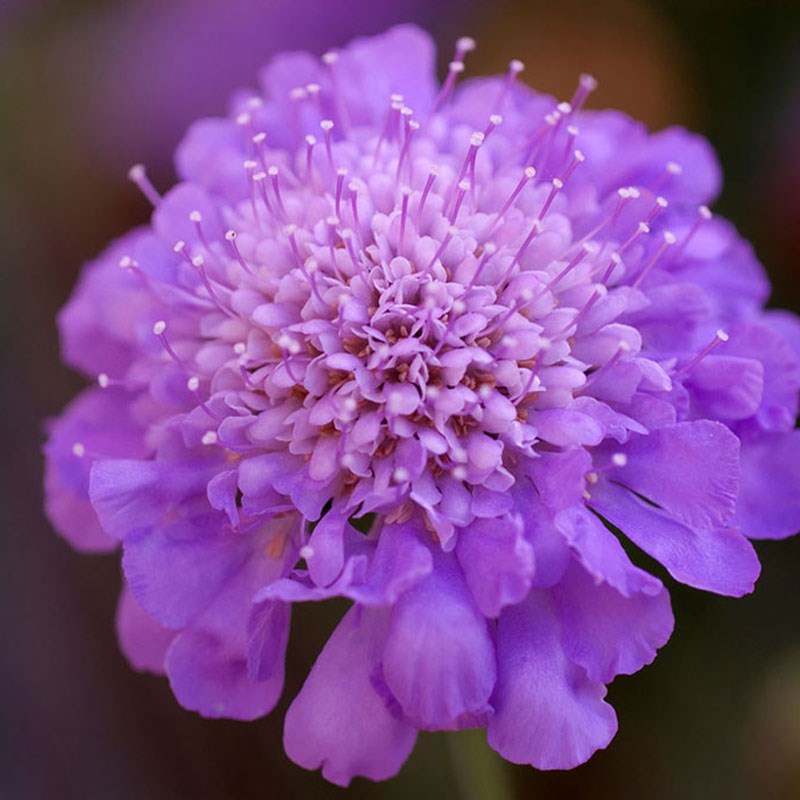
{"x":249,"y":164}
{"x":669,"y":237}
{"x":243,"y":118}
{"x":311,"y":140}
{"x":78,"y":450}
{"x":306,"y":551}
{"x":126,"y":262}
{"x":564,"y":108}
{"x":193,"y":384}
{"x":459,"y":306}
{"x":313,"y":88}
{"x":674,"y":168}
{"x":662,"y":202}
{"x":195,"y":216}
{"x":103,"y":380}
{"x":401,"y":475}
{"x":592,"y":477}
{"x":459,"y":472}
{"x":485,"y":391}
{"x":558,"y":183}
{"x":209,"y":437}
{"x":159,"y":327}
{"x":273,"y":171}
{"x":259,"y":137}
{"x":465,"y":44}
{"x":705,"y":212}
{"x":459,"y":455}
{"x":619,"y":459}
{"x":722,"y":335}
{"x":230,"y":235}
{"x":239,"y":348}
{"x":496,"y":119}
{"x":326,"y":125}
{"x":476,"y":140}
{"x":329,"y":58}
{"x":516,"y":66}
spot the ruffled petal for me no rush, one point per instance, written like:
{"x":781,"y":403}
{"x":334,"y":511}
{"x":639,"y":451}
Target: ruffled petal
{"x":548,"y":713}
{"x":769,"y":500}
{"x":497,"y":562}
{"x":99,"y":421}
{"x":130,"y":494}
{"x":143,"y":641}
{"x":211,"y":663}
{"x":719,"y":560}
{"x":338,"y":721}
{"x":690,"y":469}
{"x":439,"y":660}
{"x":606,"y":632}
{"x":99,"y":325}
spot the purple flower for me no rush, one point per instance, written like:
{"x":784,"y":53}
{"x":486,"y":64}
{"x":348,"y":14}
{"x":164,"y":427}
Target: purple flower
{"x":436,"y":351}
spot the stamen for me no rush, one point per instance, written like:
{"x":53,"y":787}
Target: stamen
{"x":274,"y":174}
{"x":669,"y":240}
{"x":515,"y":67}
{"x":327,"y":127}
{"x":406,"y":192}
{"x":311,"y":142}
{"x":159,"y":331}
{"x":528,"y":174}
{"x":230,"y":237}
{"x":720,"y":337}
{"x":432,"y":175}
{"x":463,"y":188}
{"x":138,"y":175}
{"x":586,"y":85}
{"x":341,"y":174}
{"x":440,"y":250}
{"x":196,"y":219}
{"x":703,"y":215}
{"x":330,"y":60}
{"x":463,"y":46}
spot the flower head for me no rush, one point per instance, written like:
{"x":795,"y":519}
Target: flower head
{"x":435,"y":350}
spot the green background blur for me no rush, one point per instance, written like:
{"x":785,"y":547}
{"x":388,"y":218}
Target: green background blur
{"x":716,"y":716}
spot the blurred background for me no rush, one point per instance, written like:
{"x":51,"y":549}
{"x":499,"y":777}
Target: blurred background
{"x":88,"y":87}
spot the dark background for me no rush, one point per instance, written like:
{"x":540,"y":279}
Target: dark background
{"x":86,"y":89}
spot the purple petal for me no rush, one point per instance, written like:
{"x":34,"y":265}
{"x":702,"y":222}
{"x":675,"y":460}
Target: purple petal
{"x":338,"y":721}
{"x":718,"y":560}
{"x":601,"y":554}
{"x":769,"y":499}
{"x":551,"y":553}
{"x":98,"y":326}
{"x":439,"y":660}
{"x":547,"y":711}
{"x":606,"y":632}
{"x":98,"y":421}
{"x":497,"y":562}
{"x":222,"y":667}
{"x":130,"y":494}
{"x":691,"y":469}
{"x":177,"y":570}
{"x":143,"y":641}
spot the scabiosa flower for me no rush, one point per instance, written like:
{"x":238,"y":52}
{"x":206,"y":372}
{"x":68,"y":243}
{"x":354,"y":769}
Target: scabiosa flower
{"x":438,"y":351}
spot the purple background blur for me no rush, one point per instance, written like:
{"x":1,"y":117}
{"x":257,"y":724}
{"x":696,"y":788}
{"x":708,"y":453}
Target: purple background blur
{"x":88,"y":87}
